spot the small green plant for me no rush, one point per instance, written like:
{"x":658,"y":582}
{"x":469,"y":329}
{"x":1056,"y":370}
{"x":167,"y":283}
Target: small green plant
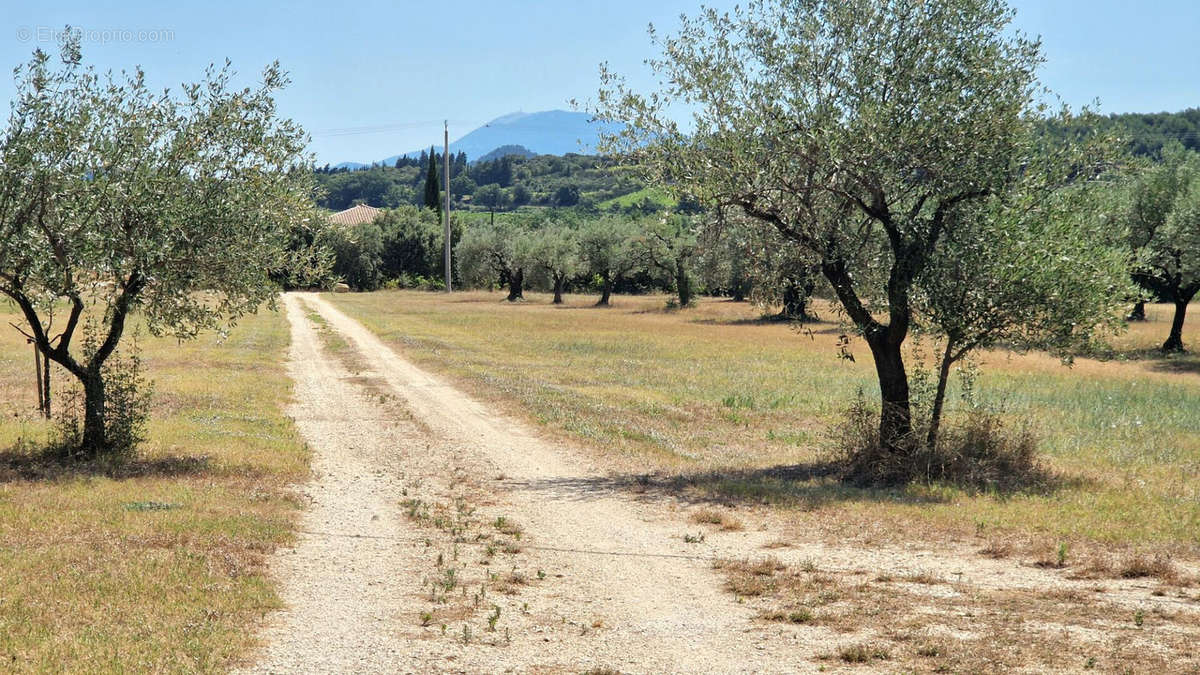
{"x":426,"y":618}
{"x":1139,"y":618}
{"x":466,"y":634}
{"x":493,"y":618}
{"x":1061,"y":557}
{"x":693,"y":538}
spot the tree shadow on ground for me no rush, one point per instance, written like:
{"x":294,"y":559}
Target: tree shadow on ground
{"x":26,"y":463}
{"x":1158,"y":361}
{"x":806,"y":486}
{"x":819,"y":326}
{"x":1182,"y":364}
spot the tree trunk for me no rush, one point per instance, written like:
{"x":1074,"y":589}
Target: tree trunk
{"x":516,"y":281}
{"x":95,"y":441}
{"x":895,"y":416}
{"x":1138,"y":313}
{"x":683,"y":285}
{"x":1174,"y":342}
{"x":795,"y":302}
{"x":559,"y":282}
{"x":605,"y":292}
{"x":939,"y":399}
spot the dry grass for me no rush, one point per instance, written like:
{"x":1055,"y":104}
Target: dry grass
{"x":713,"y":404}
{"x":929,"y":624}
{"x":725,"y":521}
{"x":155,"y":564}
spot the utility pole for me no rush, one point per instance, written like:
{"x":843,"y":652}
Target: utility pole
{"x":446,"y":211}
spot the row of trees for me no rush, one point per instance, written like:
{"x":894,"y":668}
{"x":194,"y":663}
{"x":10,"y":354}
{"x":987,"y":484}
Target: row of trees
{"x":602,"y":252}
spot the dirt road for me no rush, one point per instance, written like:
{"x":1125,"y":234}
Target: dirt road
{"x":442,"y":537}
{"x":619,"y":586}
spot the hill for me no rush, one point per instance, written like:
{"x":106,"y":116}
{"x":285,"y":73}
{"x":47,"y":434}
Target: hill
{"x":506,"y":151}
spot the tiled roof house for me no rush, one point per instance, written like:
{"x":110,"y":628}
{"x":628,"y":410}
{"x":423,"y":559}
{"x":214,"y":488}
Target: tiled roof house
{"x":356,"y":215}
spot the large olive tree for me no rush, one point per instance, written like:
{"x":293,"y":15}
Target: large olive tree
{"x":1162,"y":212}
{"x":116,"y":198}
{"x":856,"y":128}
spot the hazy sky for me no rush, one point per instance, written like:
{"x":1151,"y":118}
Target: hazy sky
{"x":372,"y":79}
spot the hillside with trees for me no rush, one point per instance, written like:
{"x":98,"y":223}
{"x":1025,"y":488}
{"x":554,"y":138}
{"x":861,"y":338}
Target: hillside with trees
{"x":504,"y":183}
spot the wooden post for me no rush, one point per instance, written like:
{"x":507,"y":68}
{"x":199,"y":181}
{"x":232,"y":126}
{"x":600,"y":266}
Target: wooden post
{"x":37,"y":366}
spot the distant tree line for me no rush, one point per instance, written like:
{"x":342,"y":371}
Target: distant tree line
{"x":505,"y":183}
{"x":1145,"y":134}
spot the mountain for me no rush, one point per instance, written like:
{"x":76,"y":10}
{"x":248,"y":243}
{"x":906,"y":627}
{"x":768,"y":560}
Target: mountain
{"x":553,"y":132}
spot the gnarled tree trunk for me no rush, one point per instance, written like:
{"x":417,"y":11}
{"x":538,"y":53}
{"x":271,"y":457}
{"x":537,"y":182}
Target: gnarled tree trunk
{"x":516,"y":282}
{"x":605,"y":291}
{"x":895,"y":417}
{"x":559,"y":281}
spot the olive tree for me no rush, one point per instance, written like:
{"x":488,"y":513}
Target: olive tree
{"x":721,"y":258}
{"x":1030,"y":268}
{"x":668,"y":245}
{"x":605,"y":244}
{"x":855,"y":128}
{"x":495,"y":252}
{"x":1162,"y":214}
{"x":115,"y":198}
{"x":554,"y":250}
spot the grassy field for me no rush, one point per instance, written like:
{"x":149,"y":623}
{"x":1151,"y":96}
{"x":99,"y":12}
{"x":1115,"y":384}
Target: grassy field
{"x":657,"y":195}
{"x":723,"y":406}
{"x":156,"y":565}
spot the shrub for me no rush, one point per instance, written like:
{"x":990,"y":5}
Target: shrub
{"x":978,"y":451}
{"x":126,"y":409}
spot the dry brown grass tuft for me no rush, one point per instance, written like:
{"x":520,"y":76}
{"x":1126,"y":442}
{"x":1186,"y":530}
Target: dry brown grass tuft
{"x":863,"y":653}
{"x":750,"y":577}
{"x":509,"y":583}
{"x":997,"y":548}
{"x":725,"y":521}
{"x":1133,"y":565}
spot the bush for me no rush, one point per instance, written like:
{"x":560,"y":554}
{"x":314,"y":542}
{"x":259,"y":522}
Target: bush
{"x":126,"y":409}
{"x":978,"y":450}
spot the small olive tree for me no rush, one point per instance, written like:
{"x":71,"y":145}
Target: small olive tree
{"x":115,"y":198}
{"x":857,"y":129}
{"x":1030,"y":268}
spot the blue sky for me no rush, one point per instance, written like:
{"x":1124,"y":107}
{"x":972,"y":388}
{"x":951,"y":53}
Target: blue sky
{"x":405,"y":66}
